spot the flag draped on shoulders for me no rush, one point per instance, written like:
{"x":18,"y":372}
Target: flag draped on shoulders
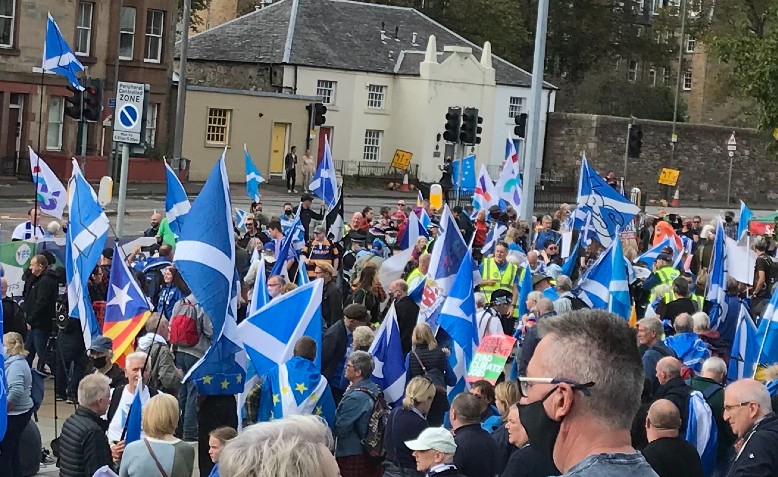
{"x":701,"y":431}
{"x":51,"y":194}
{"x":387,"y":351}
{"x":296,"y":388}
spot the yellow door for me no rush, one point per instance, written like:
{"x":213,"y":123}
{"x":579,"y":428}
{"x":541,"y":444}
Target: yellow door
{"x":278,"y":148}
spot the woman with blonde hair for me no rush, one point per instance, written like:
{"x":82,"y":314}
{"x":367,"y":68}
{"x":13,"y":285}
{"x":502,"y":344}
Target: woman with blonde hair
{"x":419,"y":247}
{"x":406,"y":423}
{"x":428,"y":360}
{"x":362,"y":338}
{"x":506,"y":394}
{"x":18,"y":389}
{"x":160,"y":453}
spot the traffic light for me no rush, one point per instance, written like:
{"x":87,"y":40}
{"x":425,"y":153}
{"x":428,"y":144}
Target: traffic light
{"x":453,"y":122}
{"x":319,"y":110}
{"x":75,"y":103}
{"x":93,"y":101}
{"x":521,"y":125}
{"x":470,"y":127}
{"x":635,"y":141}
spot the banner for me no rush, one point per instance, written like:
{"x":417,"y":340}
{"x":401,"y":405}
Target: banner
{"x":14,"y":260}
{"x":489,"y":361}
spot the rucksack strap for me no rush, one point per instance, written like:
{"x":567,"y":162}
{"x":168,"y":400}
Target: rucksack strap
{"x":711,"y":390}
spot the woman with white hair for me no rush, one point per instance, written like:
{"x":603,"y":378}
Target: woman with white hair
{"x":18,"y":383}
{"x":295,"y":446}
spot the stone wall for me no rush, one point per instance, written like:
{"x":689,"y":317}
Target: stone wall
{"x":252,"y":77}
{"x":700,"y":155}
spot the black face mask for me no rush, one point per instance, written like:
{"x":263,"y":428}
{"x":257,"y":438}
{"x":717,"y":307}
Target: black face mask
{"x":727,"y":219}
{"x":100,"y":362}
{"x":541,"y":429}
{"x":288,"y":212}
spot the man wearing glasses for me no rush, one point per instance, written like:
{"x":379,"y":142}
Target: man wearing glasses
{"x":749,"y":413}
{"x":581,"y":394}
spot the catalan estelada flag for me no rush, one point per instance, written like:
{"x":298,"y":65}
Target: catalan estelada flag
{"x":126,"y":309}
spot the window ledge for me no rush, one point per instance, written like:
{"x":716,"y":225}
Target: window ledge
{"x":219,"y":146}
{"x":87,"y":59}
{"x":380,"y":112}
{"x":10,"y":51}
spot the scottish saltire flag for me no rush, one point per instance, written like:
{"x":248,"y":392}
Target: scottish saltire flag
{"x":269,"y":341}
{"x":253,"y":177}
{"x":610,"y":210}
{"x":525,"y":287}
{"x":259,"y":296}
{"x":413,"y":231}
{"x":465,"y":180}
{"x":324,"y":183}
{"x":126,"y":307}
{"x":3,"y":396}
{"x":176,"y":201}
{"x":51,"y":194}
{"x":717,"y":279}
{"x":296,"y":388}
{"x":205,"y":257}
{"x":508,"y":187}
{"x":484,"y":195}
{"x":58,"y":57}
{"x":649,"y":257}
{"x":84,"y":243}
{"x":302,"y":276}
{"x":493,"y":236}
{"x":448,"y":252}
{"x":767,"y":333}
{"x":387,"y":351}
{"x":134,"y":417}
{"x":294,"y":227}
{"x":419,"y":199}
{"x":510,"y":151}
{"x":334,"y":220}
{"x":240,"y":218}
{"x":772,"y":387}
{"x":417,"y":292}
{"x":618,"y":289}
{"x":569,"y":266}
{"x":457,"y":318}
{"x":690,"y":349}
{"x":745,"y":217}
{"x":424,"y":219}
{"x":603,"y":285}
{"x":701,"y":431}
{"x":745,"y":347}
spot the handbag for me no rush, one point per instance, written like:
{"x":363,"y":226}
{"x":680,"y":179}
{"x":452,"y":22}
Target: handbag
{"x":154,"y":456}
{"x":435,"y":376}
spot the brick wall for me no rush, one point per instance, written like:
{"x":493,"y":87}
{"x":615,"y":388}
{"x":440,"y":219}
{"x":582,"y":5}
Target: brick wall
{"x":700,"y":155}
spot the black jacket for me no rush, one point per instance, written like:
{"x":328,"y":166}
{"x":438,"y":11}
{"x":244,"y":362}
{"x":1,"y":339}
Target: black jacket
{"x":759,"y":457}
{"x":673,"y":457}
{"x":677,"y":392}
{"x":40,"y":298}
{"x":403,"y":425}
{"x":83,"y":444}
{"x":305,"y":218}
{"x":331,"y":303}
{"x":432,"y":359}
{"x":13,"y":317}
{"x":528,"y":462}
{"x":333,"y":349}
{"x":407,"y":316}
{"x":476,"y":454}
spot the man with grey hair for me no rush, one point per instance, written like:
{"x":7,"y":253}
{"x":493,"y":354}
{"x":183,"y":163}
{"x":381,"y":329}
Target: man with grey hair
{"x":544,"y":310}
{"x":652,"y":347}
{"x":121,"y":397}
{"x":711,"y":384}
{"x":668,"y":453}
{"x":83,"y":444}
{"x":567,"y":301}
{"x":165,"y":377}
{"x":581,"y":393}
{"x":749,"y":413}
{"x":687,"y":345}
{"x":672,"y":386}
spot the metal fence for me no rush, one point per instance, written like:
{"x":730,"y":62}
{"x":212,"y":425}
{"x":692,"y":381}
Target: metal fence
{"x":372,"y":169}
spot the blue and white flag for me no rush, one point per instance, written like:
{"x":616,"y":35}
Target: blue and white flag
{"x":604,"y":286}
{"x":293,"y":240}
{"x":508,"y":185}
{"x":745,"y":347}
{"x":134,"y":417}
{"x":466,"y":181}
{"x":296,"y":388}
{"x":717,"y":279}
{"x":413,"y":231}
{"x":495,"y":234}
{"x":609,"y":209}
{"x":387,"y":351}
{"x":525,"y":287}
{"x":701,"y":431}
{"x":458,"y":319}
{"x":240,"y":218}
{"x":205,"y":257}
{"x":649,"y":257}
{"x":294,"y":227}
{"x":3,"y":396}
{"x":259,"y":297}
{"x":84,"y":243}
{"x":772,"y":387}
{"x":302,"y":276}
{"x":620,"y":302}
{"x":767,"y":332}
{"x":176,"y":201}
{"x":324,"y":183}
{"x":58,"y":57}
{"x":424,"y":219}
{"x":51,"y":195}
{"x":745,"y":218}
{"x":253,"y":177}
{"x":448,"y":252}
{"x":690,"y":349}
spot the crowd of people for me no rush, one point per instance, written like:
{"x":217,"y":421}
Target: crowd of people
{"x":593,"y":395}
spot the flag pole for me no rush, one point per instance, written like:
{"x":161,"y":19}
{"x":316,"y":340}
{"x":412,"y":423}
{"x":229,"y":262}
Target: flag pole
{"x":37,"y":164}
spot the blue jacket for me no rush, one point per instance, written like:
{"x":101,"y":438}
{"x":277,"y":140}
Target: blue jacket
{"x":352,"y":418}
{"x":168,"y":297}
{"x":19,"y":379}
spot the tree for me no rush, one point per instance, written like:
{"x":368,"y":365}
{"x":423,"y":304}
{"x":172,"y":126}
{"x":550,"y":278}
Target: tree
{"x":197,"y":6}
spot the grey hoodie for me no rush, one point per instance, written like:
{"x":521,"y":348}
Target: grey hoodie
{"x":19,"y":379}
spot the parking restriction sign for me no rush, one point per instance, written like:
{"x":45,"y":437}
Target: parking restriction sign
{"x":129,"y":113}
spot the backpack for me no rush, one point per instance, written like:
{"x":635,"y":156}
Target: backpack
{"x":577,"y":304}
{"x":184,"y":329}
{"x":373,"y":442}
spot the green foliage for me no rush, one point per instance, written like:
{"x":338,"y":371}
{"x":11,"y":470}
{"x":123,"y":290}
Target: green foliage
{"x":197,"y":6}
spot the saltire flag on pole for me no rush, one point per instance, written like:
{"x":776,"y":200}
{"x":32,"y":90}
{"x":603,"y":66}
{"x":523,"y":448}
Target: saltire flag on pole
{"x":610,"y":210}
{"x":484,"y":195}
{"x":717,"y":279}
{"x":745,"y":347}
{"x":51,"y":194}
{"x":176,"y":201}
{"x":424,"y":219}
{"x":134,"y":417}
{"x":419,"y":199}
{"x":467,"y":181}
{"x":253,"y":177}
{"x":334,"y":220}
{"x":508,"y":187}
{"x":510,"y":151}
{"x":457,"y":318}
{"x":745,"y":217}
{"x":126,"y":307}
{"x":58,"y":57}
{"x":413,"y":231}
{"x":620,"y":302}
{"x":324,"y":183}
{"x":3,"y":396}
{"x":649,"y":257}
{"x":290,"y":244}
{"x":493,"y":236}
{"x":259,"y":296}
{"x":294,"y":228}
{"x":767,"y":332}
{"x":387,"y":351}
{"x":448,"y":253}
{"x":84,"y":243}
{"x":525,"y":287}
{"x":205,"y":257}
{"x":604,"y":286}
{"x":240,"y":218}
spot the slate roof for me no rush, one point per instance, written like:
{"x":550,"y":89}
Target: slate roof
{"x":338,"y":34}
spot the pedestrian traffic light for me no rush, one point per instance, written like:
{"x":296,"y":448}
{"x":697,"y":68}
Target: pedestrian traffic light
{"x":521,"y":125}
{"x":75,"y":103}
{"x":93,"y":101}
{"x":453,"y":122}
{"x":319,"y":110}
{"x":470,"y":127}
{"x":635,"y":141}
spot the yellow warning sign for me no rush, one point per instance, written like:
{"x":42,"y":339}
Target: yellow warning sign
{"x":669,"y":177}
{"x":402,"y":159}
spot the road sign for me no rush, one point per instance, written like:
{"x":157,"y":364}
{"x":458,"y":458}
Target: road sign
{"x":111,"y":102}
{"x":669,"y":177}
{"x":129,"y":112}
{"x":402,"y":159}
{"x":732,"y":142}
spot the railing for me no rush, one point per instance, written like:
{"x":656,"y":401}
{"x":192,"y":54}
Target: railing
{"x":372,"y":169}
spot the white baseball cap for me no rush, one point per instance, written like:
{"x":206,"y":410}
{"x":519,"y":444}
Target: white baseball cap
{"x":436,"y":438}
